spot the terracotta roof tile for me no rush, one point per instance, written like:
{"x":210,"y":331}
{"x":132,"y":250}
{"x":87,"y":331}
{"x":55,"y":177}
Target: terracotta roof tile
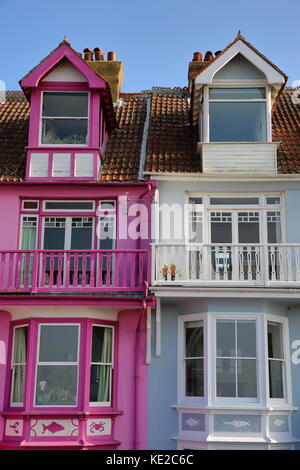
{"x":14,"y":120}
{"x":171,"y":140}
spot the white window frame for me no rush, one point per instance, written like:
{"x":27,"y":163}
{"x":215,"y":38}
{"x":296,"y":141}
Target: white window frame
{"x":205,"y":128}
{"x":112,"y":215}
{"x":14,"y":364}
{"x":30,"y":209}
{"x":287,"y":378}
{"x":67,"y":201}
{"x":210,"y":380}
{"x":262,"y":207}
{"x":35,"y":215}
{"x":64,"y":117}
{"x":181,"y":379}
{"x":103,"y":404}
{"x":238,"y":401}
{"x":68,"y":229}
{"x":38,"y":363}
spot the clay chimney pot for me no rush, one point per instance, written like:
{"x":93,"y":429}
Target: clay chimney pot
{"x":88,"y":54}
{"x":197,"y":57}
{"x":111,"y":55}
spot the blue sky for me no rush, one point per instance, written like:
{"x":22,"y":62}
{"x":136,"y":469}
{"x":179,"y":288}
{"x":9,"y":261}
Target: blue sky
{"x":155,"y":40}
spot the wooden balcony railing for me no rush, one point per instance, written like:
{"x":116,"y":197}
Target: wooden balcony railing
{"x":74,"y":270}
{"x":230,"y":264}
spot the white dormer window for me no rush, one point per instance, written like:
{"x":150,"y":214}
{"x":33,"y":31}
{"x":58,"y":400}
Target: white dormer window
{"x":64,"y":119}
{"x":237,"y":114}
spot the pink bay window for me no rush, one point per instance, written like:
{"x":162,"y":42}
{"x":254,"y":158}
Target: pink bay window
{"x":65,"y":364}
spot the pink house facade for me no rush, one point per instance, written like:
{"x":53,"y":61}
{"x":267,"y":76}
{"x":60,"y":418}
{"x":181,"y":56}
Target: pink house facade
{"x":74,"y":275}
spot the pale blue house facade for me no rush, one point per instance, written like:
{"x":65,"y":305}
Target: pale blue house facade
{"x":224,"y":367}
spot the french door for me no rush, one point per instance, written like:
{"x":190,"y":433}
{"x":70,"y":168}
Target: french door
{"x":67,"y":233}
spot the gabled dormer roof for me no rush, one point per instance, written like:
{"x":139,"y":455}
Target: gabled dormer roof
{"x":205,"y":73}
{"x":64,"y":52}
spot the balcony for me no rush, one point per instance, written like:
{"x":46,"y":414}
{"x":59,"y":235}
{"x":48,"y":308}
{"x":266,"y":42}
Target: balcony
{"x":234,"y":265}
{"x":73,"y":271}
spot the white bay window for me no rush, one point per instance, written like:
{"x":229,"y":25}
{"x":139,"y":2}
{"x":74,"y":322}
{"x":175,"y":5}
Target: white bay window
{"x":233,"y":360}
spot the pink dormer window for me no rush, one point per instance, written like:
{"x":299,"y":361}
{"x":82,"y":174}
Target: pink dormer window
{"x":64,"y":119}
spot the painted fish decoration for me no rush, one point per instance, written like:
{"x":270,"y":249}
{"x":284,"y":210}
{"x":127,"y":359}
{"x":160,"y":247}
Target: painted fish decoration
{"x":279,"y":422}
{"x":192,"y":422}
{"x":53,"y":427}
{"x":237,"y":423}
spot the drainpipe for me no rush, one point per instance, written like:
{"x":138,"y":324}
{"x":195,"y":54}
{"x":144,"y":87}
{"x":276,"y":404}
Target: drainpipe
{"x":137,"y":378}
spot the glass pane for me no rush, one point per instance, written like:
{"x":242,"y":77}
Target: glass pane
{"x":237,"y":93}
{"x":106,"y":232}
{"x":276,"y":379}
{"x":110,"y":205}
{"x":56,"y":385}
{"x":238,"y":122}
{"x":18,"y":384}
{"x":54,"y":238}
{"x":65,"y":104}
{"x":64,"y":131}
{"x":69,"y":205}
{"x":58,"y":343}
{"x":234,"y":200}
{"x":246,"y":378}
{"x":102,"y":344}
{"x":100,"y":383}
{"x":275,"y":346}
{"x":274,"y":227}
{"x":221,"y":232}
{"x":273,"y":200}
{"x":195,"y":200}
{"x":81,"y":237}
{"x":226,"y":378}
{"x":30,"y":204}
{"x":194,"y":375}
{"x":226,"y":338}
{"x":248,"y":232}
{"x":246,"y":339}
{"x":20,"y":345}
{"x":194,"y":339}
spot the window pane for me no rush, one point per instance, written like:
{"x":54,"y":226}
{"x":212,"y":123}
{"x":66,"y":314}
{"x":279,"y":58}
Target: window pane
{"x":274,"y":227}
{"x":246,"y":338}
{"x":276,"y":379}
{"x":64,"y":131}
{"x":226,"y":338}
{"x":65,"y":104}
{"x":82,"y":233}
{"x":20,"y":345}
{"x":237,"y":93}
{"x":102,"y":344}
{"x":194,"y":378}
{"x":238,"y":122}
{"x":221,"y":232}
{"x":246,"y":378}
{"x":56,"y":385}
{"x":18,"y":384}
{"x":100,"y":383}
{"x":234,"y":200}
{"x":69,"y":205}
{"x":275,"y":347}
{"x":226,"y":378}
{"x":54,"y":233}
{"x":58,"y":343}
{"x":194,"y":339}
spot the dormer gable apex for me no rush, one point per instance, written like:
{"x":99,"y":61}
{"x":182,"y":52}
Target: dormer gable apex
{"x":63,"y":52}
{"x":274,"y":76}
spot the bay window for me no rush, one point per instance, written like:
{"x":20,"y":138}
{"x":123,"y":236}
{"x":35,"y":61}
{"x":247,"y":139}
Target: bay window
{"x":229,"y":360}
{"x":52,"y":376}
{"x":237,"y":115}
{"x":64,"y":118}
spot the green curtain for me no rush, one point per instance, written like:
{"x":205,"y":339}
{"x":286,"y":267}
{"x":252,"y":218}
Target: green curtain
{"x":19,"y":360}
{"x":28,"y":243}
{"x":106,"y":357}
